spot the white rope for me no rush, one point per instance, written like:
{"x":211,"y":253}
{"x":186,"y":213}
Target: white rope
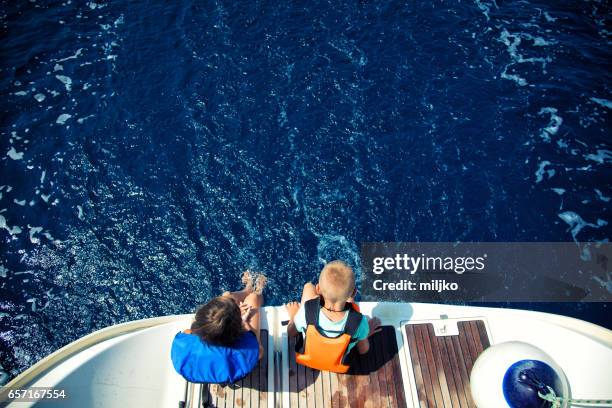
{"x":556,"y":402}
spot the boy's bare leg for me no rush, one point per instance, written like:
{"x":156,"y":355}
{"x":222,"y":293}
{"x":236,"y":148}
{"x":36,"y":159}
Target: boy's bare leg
{"x":308,"y":292}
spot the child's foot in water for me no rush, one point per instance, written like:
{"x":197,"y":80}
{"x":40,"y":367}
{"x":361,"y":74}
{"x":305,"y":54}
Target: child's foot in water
{"x":260,"y":283}
{"x":247,"y":281}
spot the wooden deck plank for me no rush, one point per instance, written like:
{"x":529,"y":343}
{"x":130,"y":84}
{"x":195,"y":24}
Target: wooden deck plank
{"x":378,"y":347}
{"x":422,"y":358}
{"x":310,"y":387}
{"x":230,"y":395}
{"x":484,"y":337}
{"x":448,"y":372}
{"x":336,"y":393}
{"x":444,"y":388}
{"x":462,"y":355}
{"x":326,"y":383}
{"x":446,"y":361}
{"x":374,"y":386}
{"x":397,"y":369}
{"x":318,"y":388}
{"x":254,"y":397}
{"x":263,"y":372}
{"x":301,"y":386}
{"x":416,"y":366}
{"x":246,"y":387}
{"x":431,"y":364}
{"x":454,"y":364}
{"x":465,"y":327}
{"x":211,"y":399}
{"x":390,"y":355}
{"x":361,"y":390}
{"x":293,"y":375}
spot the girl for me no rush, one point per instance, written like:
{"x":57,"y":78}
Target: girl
{"x":223,"y":344}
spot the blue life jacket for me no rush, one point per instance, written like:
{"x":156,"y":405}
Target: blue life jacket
{"x":201,"y":362}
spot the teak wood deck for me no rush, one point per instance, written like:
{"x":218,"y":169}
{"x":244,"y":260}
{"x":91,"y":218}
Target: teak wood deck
{"x":440,"y":366}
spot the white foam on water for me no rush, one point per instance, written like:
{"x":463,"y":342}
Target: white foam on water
{"x":75,"y":56}
{"x":83,"y":119}
{"x":485,"y":7}
{"x":61,"y":119}
{"x":553,"y":125}
{"x":3,"y":271}
{"x":33,"y":302}
{"x":576,"y":223}
{"x":14,"y":154}
{"x":607,"y":284}
{"x":603,"y":102}
{"x":93,"y":5}
{"x":542,"y":171}
{"x":58,"y":67}
{"x":45,"y":197}
{"x":33,"y":232}
{"x":80,"y":213}
{"x":15,"y":230}
{"x":39,"y":97}
{"x":19,"y":202}
{"x":601,"y":157}
{"x":21,"y":93}
{"x":601,"y":196}
{"x":559,"y":191}
{"x":42,"y":176}
{"x":512,"y":42}
{"x":549,"y":18}
{"x":67,"y":81}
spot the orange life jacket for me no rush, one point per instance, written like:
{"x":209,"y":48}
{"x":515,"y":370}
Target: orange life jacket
{"x":317,"y":350}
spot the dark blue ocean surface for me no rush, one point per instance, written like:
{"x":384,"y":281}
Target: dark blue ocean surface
{"x":151,"y":151}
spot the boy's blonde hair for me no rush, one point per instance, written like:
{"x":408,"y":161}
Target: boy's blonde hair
{"x":337,"y":281}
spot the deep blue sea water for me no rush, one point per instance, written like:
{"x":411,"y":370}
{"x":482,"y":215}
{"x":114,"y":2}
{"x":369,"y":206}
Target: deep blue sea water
{"x":151,"y":151}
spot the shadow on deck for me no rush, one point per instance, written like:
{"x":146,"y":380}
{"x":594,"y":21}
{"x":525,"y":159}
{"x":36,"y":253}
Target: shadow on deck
{"x":374,"y":380}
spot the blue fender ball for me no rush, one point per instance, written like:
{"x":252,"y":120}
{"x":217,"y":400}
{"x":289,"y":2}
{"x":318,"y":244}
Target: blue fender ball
{"x":524,"y":379}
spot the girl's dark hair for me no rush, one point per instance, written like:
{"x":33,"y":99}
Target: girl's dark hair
{"x":218,"y":322}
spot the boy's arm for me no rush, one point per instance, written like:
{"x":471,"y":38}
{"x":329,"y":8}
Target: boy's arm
{"x":292,"y":331}
{"x":293,"y":309}
{"x":363,"y":346}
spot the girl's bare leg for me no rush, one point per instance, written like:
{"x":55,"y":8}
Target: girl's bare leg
{"x":241,"y":295}
{"x":255,"y":301}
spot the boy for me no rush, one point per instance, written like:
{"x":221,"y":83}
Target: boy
{"x":328,"y":322}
